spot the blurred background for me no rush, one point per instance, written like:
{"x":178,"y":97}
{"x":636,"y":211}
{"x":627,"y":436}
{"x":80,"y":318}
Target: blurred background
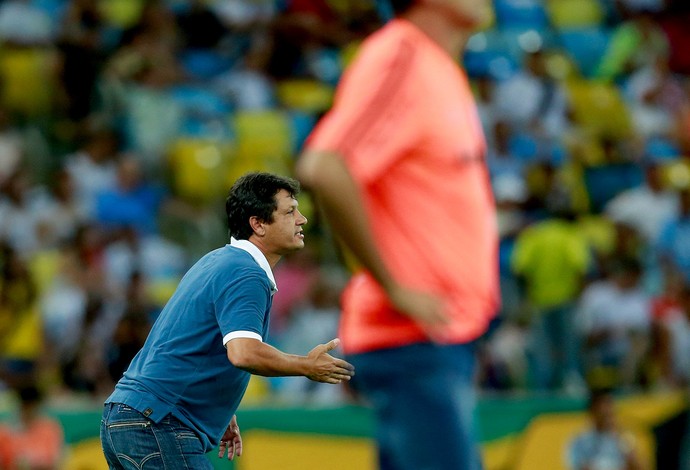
{"x":124,"y":122}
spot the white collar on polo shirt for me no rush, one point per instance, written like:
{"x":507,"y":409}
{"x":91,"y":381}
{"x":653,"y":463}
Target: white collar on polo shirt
{"x":258,"y":256}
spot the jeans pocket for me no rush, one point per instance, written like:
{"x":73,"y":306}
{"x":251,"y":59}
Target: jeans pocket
{"x":186,"y":438}
{"x":134,"y":441}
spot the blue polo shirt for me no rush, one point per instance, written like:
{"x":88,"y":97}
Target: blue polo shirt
{"x":183,"y":367}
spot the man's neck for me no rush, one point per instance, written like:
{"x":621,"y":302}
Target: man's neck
{"x":441,"y":26}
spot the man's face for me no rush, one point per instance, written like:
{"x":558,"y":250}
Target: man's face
{"x":469,"y":14}
{"x":284,"y":235}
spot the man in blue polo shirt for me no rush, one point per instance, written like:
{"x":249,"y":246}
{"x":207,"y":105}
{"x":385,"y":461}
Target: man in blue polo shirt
{"x":177,"y":400}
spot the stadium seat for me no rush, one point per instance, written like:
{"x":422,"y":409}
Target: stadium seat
{"x":121,"y":13}
{"x":310,"y":96}
{"x":586,"y":46}
{"x":525,"y":14}
{"x":198,"y":167}
{"x":661,"y":148}
{"x":599,"y":108}
{"x":568,"y":14}
{"x":54,"y":8}
{"x":676,"y":174}
{"x":559,"y":65}
{"x":489,"y":53}
{"x":204,"y":64}
{"x":604,"y":182}
{"x":199,"y":101}
{"x":302,"y":125}
{"x":26,"y":78}
{"x":264,"y":142}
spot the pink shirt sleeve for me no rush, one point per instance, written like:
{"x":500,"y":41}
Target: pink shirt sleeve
{"x":372,"y":123}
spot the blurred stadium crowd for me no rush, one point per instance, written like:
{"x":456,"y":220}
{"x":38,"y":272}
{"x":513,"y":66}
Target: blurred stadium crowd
{"x":123,"y":123}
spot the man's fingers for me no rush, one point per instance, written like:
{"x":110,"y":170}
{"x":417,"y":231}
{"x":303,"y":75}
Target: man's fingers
{"x":344,"y":366}
{"x":332,"y":344}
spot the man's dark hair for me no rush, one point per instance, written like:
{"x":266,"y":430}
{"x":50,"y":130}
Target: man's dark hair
{"x":253,"y":195}
{"x":598,"y":394}
{"x":29,"y":394}
{"x":400,"y":6}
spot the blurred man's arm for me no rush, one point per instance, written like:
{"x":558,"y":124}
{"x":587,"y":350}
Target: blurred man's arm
{"x":337,"y":194}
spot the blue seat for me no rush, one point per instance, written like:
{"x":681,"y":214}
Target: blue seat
{"x":524,"y":146}
{"x":200,"y":102}
{"x":526,"y":14}
{"x":661,"y":148}
{"x":488,"y":53}
{"x":204,"y":64}
{"x":302,"y":125}
{"x":604,"y":182}
{"x":586,"y":46}
{"x":54,"y":8}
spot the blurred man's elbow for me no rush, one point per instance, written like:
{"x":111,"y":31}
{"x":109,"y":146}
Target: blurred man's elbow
{"x":306,"y":170}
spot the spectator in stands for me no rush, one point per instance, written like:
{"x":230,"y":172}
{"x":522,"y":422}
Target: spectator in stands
{"x":501,"y":160}
{"x":134,"y":84}
{"x":298,"y":273}
{"x":673,"y":336}
{"x":21,"y":344}
{"x":636,"y":42}
{"x":646,"y":207}
{"x":552,"y":257}
{"x":35,"y":441}
{"x":82,"y":47}
{"x":531,"y":100}
{"x":58,"y":212}
{"x":132,"y":327}
{"x":22,"y":23}
{"x":673,"y":244}
{"x":614,"y":320}
{"x":11,"y":146}
{"x":655,"y":97}
{"x":133,"y":202}
{"x":63,"y":307}
{"x":93,"y":168}
{"x":315,"y":319}
{"x":604,"y":445}
{"x":18,"y":213}
{"x":200,"y":27}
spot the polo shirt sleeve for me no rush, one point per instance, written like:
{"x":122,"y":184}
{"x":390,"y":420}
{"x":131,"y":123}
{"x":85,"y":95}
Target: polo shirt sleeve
{"x":376,"y":117}
{"x":242,"y":306}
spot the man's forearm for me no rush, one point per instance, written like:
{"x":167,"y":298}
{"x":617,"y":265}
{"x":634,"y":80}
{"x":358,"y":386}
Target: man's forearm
{"x":257,"y":357}
{"x":338,"y":196}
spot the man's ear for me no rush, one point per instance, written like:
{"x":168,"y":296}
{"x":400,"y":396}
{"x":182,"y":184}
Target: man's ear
{"x":257,"y":226}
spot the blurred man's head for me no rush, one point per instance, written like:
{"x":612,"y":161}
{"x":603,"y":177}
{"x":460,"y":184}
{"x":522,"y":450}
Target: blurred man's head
{"x":469,"y":14}
{"x":601,"y":410}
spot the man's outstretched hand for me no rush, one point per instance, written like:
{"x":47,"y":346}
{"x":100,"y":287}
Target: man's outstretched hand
{"x":328,"y":369}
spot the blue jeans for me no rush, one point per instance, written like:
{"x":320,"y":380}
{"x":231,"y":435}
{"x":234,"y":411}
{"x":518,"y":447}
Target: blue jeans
{"x":553,"y":348}
{"x":130,"y":441}
{"x":424,"y":400}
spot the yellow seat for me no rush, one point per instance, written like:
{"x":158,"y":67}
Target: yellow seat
{"x":121,"y":13}
{"x":198,"y":167}
{"x":26,"y":77}
{"x":310,"y":96}
{"x":676,"y":174}
{"x":264,"y":142}
{"x":599,"y":108}
{"x":575,"y":13}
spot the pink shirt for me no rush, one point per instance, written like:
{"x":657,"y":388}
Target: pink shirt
{"x":405,"y":122}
